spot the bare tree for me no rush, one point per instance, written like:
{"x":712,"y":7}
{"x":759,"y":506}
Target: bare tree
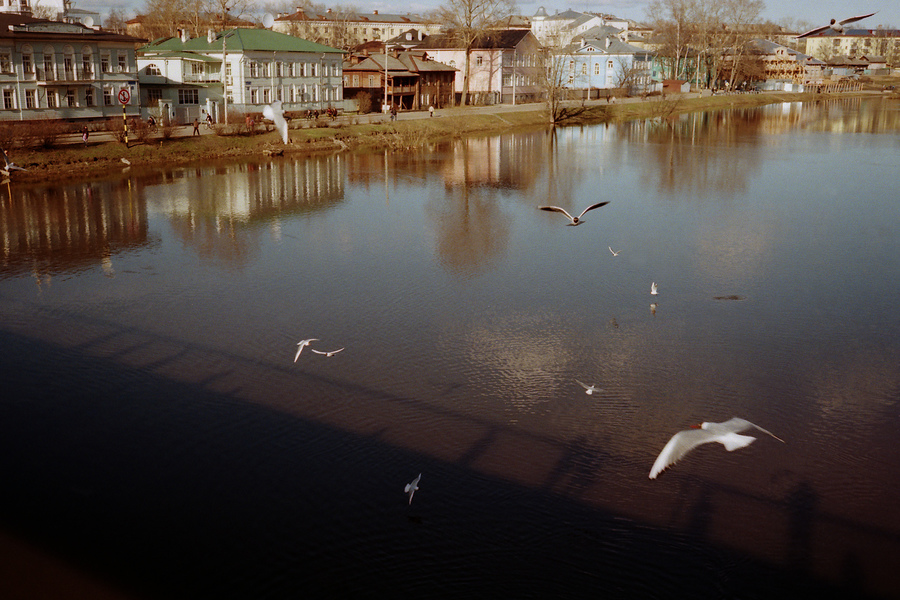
{"x":466,"y":20}
{"x":40,"y":11}
{"x":737,"y":15}
{"x":116,"y":21}
{"x":674,"y":26}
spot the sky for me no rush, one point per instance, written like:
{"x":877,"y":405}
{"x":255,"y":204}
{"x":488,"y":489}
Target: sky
{"x":778,"y":11}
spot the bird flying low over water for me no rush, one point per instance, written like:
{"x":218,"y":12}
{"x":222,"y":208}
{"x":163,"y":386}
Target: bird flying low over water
{"x":654,"y":289}
{"x":837,"y":26}
{"x":8,"y":166}
{"x":328,"y":354}
{"x":412,"y":486}
{"x":614,"y":253}
{"x":574,"y":220}
{"x":275,"y":113}
{"x":726,"y":433}
{"x":588,"y":389}
{"x":303,"y":344}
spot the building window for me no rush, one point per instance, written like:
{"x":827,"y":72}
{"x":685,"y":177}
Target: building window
{"x":152,"y":69}
{"x":356,"y":81}
{"x":154,"y":95}
{"x":27,"y":64}
{"x":479,"y":60}
{"x":6,"y":62}
{"x":191,"y":96}
{"x":8,"y":100}
{"x":584,"y":68}
{"x":609,"y":65}
{"x":266,"y":95}
{"x":371,"y":81}
{"x":51,"y":98}
{"x":89,"y":96}
{"x":123,"y":63}
{"x":254,"y":95}
{"x":87,"y":65}
{"x":107,"y":96}
{"x":596,"y":68}
{"x":104,"y":62}
{"x":48,"y":67}
{"x":71,"y":98}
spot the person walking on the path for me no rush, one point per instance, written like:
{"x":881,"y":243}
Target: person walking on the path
{"x":196,"y":127}
{"x":84,"y":135}
{"x":430,"y":110}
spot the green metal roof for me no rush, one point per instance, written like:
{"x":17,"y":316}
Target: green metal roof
{"x":242,"y":40}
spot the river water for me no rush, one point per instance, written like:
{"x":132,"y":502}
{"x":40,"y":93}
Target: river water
{"x":158,"y":437}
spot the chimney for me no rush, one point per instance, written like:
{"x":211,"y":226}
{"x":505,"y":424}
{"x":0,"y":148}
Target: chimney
{"x":210,"y":36}
{"x":184,"y":35}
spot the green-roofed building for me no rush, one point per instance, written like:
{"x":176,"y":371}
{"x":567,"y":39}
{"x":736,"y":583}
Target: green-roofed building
{"x":181,"y":77}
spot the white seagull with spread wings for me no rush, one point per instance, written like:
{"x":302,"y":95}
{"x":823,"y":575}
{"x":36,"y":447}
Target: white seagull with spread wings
{"x":726,"y":433}
{"x":837,"y":26}
{"x":275,"y":113}
{"x":574,"y":220}
{"x":303,"y":344}
{"x":412,"y":486}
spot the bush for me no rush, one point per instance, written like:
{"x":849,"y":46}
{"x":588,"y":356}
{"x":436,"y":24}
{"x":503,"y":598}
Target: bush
{"x":364,"y":102}
{"x":46,"y":133}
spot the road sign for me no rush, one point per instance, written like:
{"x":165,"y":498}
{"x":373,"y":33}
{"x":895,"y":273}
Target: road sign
{"x":124,"y":96}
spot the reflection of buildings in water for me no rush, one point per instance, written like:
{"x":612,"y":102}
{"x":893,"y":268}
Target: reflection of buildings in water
{"x":509,"y":160}
{"x":48,"y":230}
{"x":249,"y":191}
{"x":214,"y":209}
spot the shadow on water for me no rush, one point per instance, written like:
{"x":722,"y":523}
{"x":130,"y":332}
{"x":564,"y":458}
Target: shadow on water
{"x":170,"y":490}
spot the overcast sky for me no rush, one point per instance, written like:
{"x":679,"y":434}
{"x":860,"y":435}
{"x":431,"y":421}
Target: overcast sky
{"x":815,"y":13}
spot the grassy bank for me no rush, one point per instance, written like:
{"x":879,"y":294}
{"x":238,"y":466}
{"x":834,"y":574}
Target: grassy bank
{"x":78,"y":161}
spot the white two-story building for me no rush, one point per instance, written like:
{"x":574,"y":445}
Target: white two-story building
{"x":56,"y":70}
{"x":182,"y":78}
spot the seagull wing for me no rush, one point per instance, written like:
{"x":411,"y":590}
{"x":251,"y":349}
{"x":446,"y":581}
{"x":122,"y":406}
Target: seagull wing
{"x":680,"y":444}
{"x":336,"y":351}
{"x":854,"y":19}
{"x":314,"y":350}
{"x":558,"y":209}
{"x":584,"y":385}
{"x":814,"y":31}
{"x":592,"y":207}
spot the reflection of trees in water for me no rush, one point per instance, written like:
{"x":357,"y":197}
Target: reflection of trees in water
{"x":700,"y":153}
{"x":471,"y":228}
{"x":47,"y":230}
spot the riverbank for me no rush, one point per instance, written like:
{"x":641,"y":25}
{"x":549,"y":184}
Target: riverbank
{"x":70,"y":158}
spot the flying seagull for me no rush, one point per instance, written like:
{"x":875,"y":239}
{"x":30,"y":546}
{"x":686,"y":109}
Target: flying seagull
{"x":726,"y":433}
{"x":275,"y":113}
{"x":589,"y":389}
{"x":654,"y":289}
{"x":328,"y":354}
{"x":574,"y":220}
{"x":412,"y":486}
{"x":303,"y":344}
{"x":837,"y":26}
{"x":9,"y":166}
{"x":614,"y":253}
